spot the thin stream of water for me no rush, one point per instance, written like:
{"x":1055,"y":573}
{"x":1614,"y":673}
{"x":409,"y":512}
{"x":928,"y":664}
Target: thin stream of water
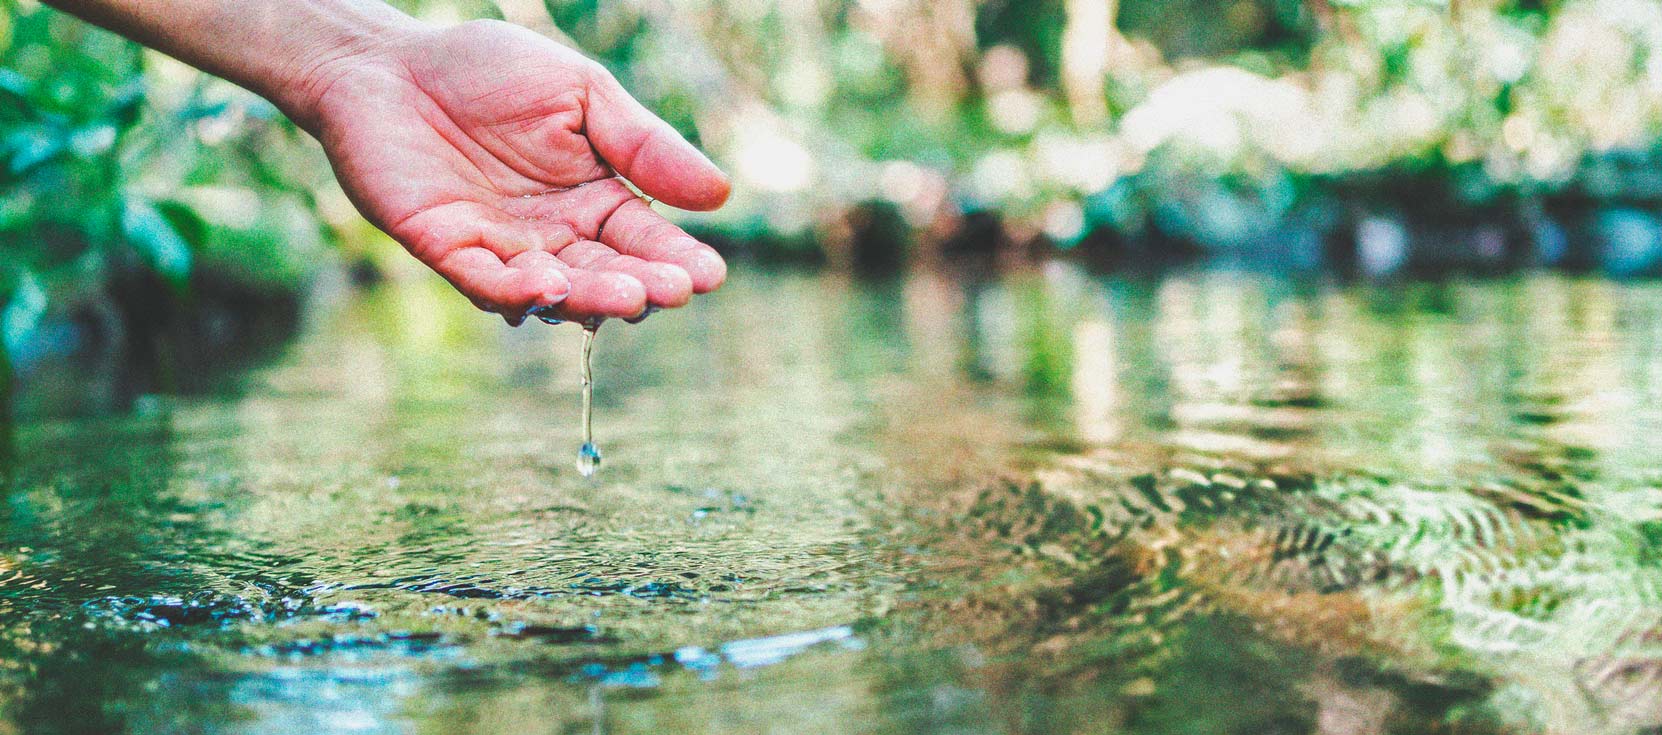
{"x":588,"y":456}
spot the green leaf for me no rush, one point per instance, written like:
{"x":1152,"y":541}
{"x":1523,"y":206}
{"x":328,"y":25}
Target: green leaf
{"x":23,"y":309}
{"x":14,"y":90}
{"x":126,"y":104}
{"x":153,"y":235}
{"x":186,"y":222}
{"x":16,"y":212}
{"x":30,"y":147}
{"x":92,"y":141}
{"x":203,"y":111}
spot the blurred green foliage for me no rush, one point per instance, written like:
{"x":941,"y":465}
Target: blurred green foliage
{"x":1214,"y":122}
{"x":1211,"y":124}
{"x":112,"y":170}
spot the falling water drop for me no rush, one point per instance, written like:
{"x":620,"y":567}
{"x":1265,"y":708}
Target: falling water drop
{"x":588,"y":460}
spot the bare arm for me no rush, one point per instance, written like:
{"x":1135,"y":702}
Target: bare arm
{"x":493,"y":154}
{"x":276,"y":48}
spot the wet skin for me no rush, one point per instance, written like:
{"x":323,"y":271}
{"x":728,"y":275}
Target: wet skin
{"x":503,"y":161}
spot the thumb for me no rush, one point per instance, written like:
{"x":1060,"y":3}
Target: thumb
{"x":648,"y":152}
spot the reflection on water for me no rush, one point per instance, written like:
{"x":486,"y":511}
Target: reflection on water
{"x":1208,"y":503}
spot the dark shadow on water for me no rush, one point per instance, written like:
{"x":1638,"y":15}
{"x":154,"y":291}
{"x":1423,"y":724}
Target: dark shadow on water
{"x":146,"y":339}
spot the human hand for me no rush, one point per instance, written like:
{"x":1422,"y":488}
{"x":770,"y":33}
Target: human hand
{"x":498,"y":158}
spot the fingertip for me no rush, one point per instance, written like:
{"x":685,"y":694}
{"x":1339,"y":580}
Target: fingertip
{"x":541,"y":277}
{"x":538,"y":287}
{"x":628,"y":293}
{"x":667,"y":285}
{"x":709,"y":194}
{"x":555,"y":287}
{"x":720,"y":191}
{"x":706,"y":268}
{"x":611,"y":294}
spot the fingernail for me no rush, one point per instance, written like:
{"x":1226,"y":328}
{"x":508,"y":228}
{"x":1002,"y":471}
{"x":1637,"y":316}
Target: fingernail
{"x":555,"y":288}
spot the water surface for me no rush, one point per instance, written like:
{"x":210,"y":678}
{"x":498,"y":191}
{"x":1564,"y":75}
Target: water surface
{"x":1047,"y":502}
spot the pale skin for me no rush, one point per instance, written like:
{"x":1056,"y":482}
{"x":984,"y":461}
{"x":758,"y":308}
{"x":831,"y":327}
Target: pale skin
{"x":496,"y":156}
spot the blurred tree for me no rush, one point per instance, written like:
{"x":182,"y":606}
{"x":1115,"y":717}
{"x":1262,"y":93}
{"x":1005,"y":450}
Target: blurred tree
{"x":1210,"y":124}
{"x":120,"y":170}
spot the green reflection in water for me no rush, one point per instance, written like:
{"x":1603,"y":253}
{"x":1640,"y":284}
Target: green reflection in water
{"x":1045,"y":503}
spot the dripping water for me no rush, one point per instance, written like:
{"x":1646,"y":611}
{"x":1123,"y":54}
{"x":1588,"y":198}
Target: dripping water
{"x":588,"y":456}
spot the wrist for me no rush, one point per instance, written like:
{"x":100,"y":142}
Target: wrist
{"x":345,"y":36}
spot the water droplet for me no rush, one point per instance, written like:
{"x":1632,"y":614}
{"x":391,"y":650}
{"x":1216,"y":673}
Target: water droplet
{"x":551,"y":315}
{"x":588,"y":459}
{"x":546,"y":314}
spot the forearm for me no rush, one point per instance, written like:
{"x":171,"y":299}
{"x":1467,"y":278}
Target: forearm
{"x":283,"y":50}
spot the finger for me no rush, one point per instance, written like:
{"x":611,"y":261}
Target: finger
{"x":435,"y":231}
{"x":634,"y":229}
{"x":497,"y":286}
{"x":648,"y":152}
{"x":667,"y":285}
{"x":626,"y":224}
{"x":602,"y":294}
{"x":538,"y":260}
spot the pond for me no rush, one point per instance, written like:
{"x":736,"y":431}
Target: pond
{"x":1209,"y":502}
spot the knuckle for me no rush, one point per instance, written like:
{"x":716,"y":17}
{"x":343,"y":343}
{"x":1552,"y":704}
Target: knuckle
{"x":596,"y":73}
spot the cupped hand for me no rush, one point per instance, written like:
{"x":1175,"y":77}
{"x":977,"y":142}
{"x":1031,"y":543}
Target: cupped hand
{"x":499,"y":158}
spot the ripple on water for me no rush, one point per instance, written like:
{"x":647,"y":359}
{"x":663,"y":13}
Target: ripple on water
{"x":213,"y":608}
{"x":708,"y":663}
{"x":1214,"y":470}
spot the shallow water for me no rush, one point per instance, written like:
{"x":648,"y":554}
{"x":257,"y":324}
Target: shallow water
{"x":1210,"y":503}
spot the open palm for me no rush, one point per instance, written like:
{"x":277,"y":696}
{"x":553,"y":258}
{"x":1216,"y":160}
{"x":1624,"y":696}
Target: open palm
{"x":499,"y":157}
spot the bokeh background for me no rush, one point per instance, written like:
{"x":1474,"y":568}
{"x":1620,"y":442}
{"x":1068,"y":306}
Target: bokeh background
{"x":1347,"y":137}
{"x":1184,"y":365}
